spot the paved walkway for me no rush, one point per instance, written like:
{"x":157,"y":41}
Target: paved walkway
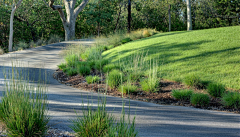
{"x":152,"y":120}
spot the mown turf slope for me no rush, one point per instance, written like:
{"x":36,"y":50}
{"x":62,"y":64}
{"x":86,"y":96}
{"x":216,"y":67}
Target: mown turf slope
{"x":212,"y":54}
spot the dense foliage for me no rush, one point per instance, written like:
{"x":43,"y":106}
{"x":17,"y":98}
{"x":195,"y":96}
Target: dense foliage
{"x":101,"y":17}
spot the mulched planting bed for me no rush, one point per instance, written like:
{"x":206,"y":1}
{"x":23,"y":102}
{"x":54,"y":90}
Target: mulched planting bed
{"x":162,"y":96}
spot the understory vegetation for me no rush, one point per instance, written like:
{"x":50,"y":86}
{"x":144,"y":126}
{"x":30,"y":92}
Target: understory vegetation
{"x":99,"y":123}
{"x":23,"y":107}
{"x":131,"y":65}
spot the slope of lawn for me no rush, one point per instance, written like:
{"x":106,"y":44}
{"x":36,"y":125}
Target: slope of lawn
{"x":211,"y":54}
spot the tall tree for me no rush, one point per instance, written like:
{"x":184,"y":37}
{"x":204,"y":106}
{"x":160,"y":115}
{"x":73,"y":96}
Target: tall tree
{"x":69,"y":22}
{"x":189,"y":17}
{"x":129,"y":16}
{"x":169,"y":17}
{"x":14,"y":8}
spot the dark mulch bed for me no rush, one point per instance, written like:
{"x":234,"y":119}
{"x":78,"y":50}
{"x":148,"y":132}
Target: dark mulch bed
{"x":163,"y":96}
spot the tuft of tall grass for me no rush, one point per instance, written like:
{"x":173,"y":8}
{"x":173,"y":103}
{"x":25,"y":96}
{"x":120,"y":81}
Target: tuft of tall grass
{"x":114,"y":78}
{"x":109,"y":67}
{"x":193,"y":80}
{"x":216,"y":89}
{"x":95,"y":123}
{"x":72,"y":60}
{"x":182,"y":95}
{"x":98,"y":123}
{"x":62,"y":66}
{"x":199,"y":99}
{"x":152,"y":82}
{"x":127,"y":88}
{"x":23,"y":106}
{"x":231,"y":99}
{"x":92,"y":79}
{"x":99,"y":64}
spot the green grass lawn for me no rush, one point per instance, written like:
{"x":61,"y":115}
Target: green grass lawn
{"x":211,"y":54}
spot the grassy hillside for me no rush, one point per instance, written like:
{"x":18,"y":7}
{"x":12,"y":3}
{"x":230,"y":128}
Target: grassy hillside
{"x":212,"y":54}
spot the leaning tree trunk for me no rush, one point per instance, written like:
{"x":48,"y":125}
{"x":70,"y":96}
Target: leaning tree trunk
{"x":189,"y":17}
{"x":14,"y":8}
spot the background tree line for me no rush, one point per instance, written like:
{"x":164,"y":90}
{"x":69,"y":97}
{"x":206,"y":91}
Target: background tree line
{"x":33,"y":20}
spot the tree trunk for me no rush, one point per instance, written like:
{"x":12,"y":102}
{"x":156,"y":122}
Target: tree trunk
{"x":129,"y":16}
{"x":169,"y":17}
{"x":14,"y":8}
{"x":69,"y":23}
{"x":119,"y":13}
{"x":69,"y":30}
{"x":189,"y":17}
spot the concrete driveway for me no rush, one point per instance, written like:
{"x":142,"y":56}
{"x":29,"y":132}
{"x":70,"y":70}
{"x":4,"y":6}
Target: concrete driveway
{"x":152,"y":120}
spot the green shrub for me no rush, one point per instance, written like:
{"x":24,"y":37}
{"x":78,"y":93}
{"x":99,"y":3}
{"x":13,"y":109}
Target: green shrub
{"x":109,"y":67}
{"x":199,"y":99}
{"x":127,"y":88}
{"x":72,"y":71}
{"x":216,"y":90}
{"x":231,"y":99}
{"x":71,"y":60}
{"x":114,"y":78}
{"x":62,"y":66}
{"x":193,"y":80}
{"x":92,"y":79}
{"x":84,"y":70}
{"x":23,"y":107}
{"x":149,"y":85}
{"x":100,"y":64}
{"x":125,"y":40}
{"x":182,"y":95}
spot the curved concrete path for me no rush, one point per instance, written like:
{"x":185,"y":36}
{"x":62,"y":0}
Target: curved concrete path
{"x":152,"y":120}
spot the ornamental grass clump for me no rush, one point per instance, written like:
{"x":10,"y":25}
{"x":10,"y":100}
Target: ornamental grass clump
{"x":199,"y":99}
{"x":72,"y":60}
{"x":92,"y":79}
{"x":152,"y":82}
{"x":193,"y":81}
{"x":94,"y":123}
{"x":109,"y":67}
{"x":182,"y":95}
{"x":114,"y":78}
{"x":23,"y":107}
{"x":100,"y":64}
{"x":216,"y":89}
{"x":127,"y":88}
{"x":98,"y":123}
{"x":231,"y":100}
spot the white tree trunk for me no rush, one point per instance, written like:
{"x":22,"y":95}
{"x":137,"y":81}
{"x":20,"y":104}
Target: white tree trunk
{"x":189,"y":17}
{"x":14,"y":8}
